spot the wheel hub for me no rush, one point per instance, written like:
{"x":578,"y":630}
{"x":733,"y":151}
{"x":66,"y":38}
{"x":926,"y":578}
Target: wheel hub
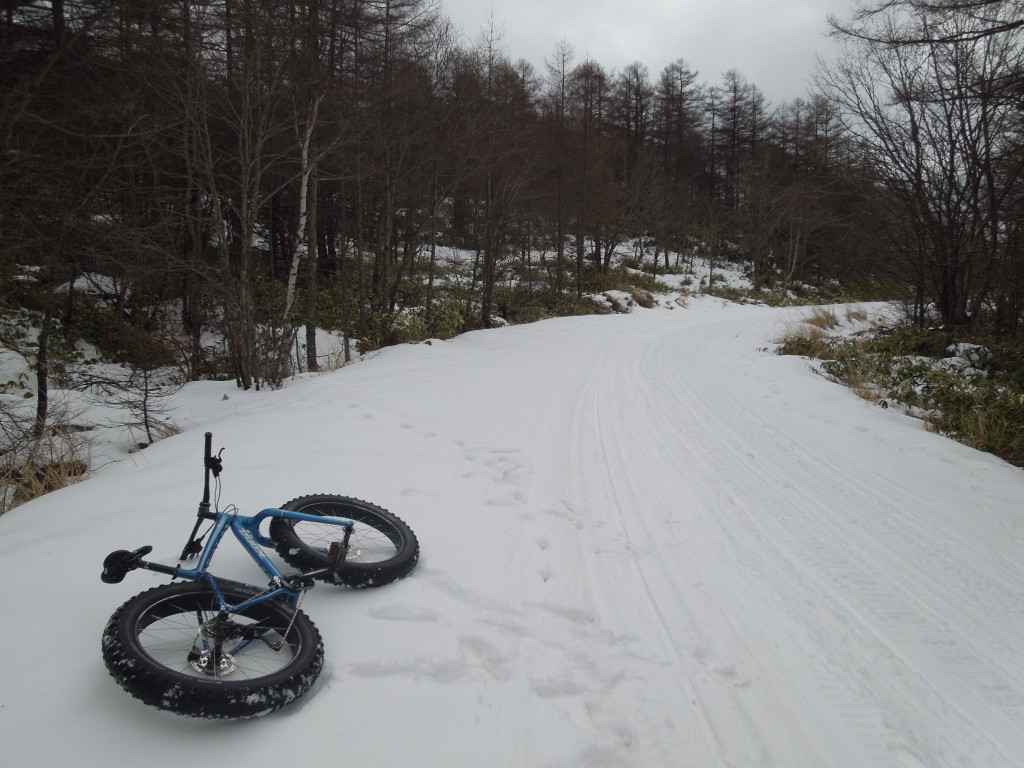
{"x":212,"y":663}
{"x":207,"y":656}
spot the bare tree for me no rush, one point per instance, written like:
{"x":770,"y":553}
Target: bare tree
{"x":924,"y":22}
{"x":556,"y":114}
{"x":939,"y":129}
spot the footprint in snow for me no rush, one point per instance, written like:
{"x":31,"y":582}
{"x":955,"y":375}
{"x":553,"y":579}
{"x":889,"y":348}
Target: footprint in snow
{"x":575,"y":615}
{"x":553,"y":688}
{"x":500,"y":503}
{"x":398,"y":612}
{"x":731,"y":674}
{"x":482,"y":655}
{"x":419,"y":669}
{"x":414,"y":492}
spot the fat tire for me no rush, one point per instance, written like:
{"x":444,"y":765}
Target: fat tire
{"x":161,"y":675}
{"x":382,"y":548}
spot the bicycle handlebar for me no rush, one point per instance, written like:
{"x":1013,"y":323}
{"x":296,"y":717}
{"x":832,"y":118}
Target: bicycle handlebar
{"x":211,"y":465}
{"x":207,"y":455}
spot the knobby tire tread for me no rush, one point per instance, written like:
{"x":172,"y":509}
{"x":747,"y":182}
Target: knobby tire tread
{"x":359,"y":575}
{"x":160,"y":686}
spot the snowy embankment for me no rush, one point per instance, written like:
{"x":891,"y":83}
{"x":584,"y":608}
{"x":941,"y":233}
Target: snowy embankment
{"x":646,"y":541}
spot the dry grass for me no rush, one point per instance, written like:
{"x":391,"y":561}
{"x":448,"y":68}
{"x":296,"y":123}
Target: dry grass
{"x":21,"y":482}
{"x":822,"y":317}
{"x":842,"y":359}
{"x":31,"y":465}
{"x":804,"y":340}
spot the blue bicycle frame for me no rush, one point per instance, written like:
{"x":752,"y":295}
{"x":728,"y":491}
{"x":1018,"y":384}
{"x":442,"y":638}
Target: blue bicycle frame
{"x":247,"y":530}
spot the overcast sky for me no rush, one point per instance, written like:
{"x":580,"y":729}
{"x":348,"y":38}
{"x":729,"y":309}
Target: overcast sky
{"x":772,"y":42}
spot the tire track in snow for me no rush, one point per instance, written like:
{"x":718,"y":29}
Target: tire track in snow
{"x":728,"y":683}
{"x":802,"y":613}
{"x":884,"y":598}
{"x":622,"y":582}
{"x":641,"y":585}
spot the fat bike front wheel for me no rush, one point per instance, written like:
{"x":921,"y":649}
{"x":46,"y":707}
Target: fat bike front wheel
{"x":380,"y":549}
{"x":172,"y":649}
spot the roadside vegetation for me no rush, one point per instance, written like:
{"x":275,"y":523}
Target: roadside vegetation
{"x":968,"y":388}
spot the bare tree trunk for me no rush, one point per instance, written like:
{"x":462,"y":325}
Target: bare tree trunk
{"x":312,"y":258}
{"x":300,"y":251}
{"x":43,"y":364}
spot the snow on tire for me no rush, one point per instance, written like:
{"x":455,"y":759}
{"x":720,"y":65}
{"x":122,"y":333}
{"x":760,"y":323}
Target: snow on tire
{"x":382,"y":548}
{"x":156,"y":649}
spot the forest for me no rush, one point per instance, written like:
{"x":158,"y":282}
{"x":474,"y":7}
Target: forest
{"x":258,"y":170}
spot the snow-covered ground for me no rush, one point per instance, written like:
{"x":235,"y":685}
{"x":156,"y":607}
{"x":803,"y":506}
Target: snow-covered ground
{"x":646,"y":541}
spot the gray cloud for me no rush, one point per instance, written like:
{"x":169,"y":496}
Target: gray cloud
{"x":772,"y":42}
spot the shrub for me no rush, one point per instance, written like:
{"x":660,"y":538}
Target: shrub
{"x":446,"y":319}
{"x":748,"y":295}
{"x":333,"y":306}
{"x":979,"y":413}
{"x":806,"y":342}
{"x":980,"y":406}
{"x":519,"y":304}
{"x":1004,"y":362}
{"x":386,"y":329}
{"x":910,"y":340}
{"x":570,"y":304}
{"x":620,"y":279}
{"x":119,"y":340}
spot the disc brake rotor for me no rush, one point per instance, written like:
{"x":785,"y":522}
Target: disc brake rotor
{"x":213,"y":664}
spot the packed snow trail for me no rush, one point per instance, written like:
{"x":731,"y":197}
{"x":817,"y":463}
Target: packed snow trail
{"x":800,"y":593}
{"x":646,"y":541}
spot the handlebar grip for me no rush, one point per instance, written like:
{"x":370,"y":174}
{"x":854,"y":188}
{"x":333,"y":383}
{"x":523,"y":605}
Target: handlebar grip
{"x":212,"y":464}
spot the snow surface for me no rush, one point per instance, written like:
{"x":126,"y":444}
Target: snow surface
{"x":646,"y":541}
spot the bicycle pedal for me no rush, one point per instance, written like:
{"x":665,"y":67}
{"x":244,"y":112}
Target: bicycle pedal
{"x":336,"y":554}
{"x":297,"y":581}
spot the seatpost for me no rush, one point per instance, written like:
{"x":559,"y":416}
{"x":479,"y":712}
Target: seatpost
{"x":210,"y":464}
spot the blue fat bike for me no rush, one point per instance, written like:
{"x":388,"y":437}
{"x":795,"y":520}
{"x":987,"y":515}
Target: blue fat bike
{"x":214,"y":648}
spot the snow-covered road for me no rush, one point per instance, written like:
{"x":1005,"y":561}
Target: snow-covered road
{"x":646,"y":541}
